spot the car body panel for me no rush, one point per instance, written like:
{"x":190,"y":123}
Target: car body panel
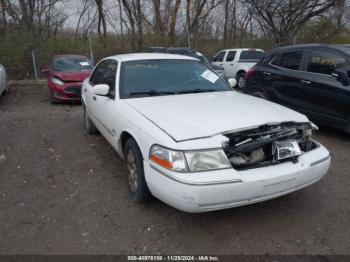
{"x":203,"y":115}
{"x":162,"y":120}
{"x":235,"y":66}
{"x":72,"y":81}
{"x":207,"y":191}
{"x":323,"y":98}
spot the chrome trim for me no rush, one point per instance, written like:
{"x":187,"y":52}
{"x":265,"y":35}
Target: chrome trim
{"x":189,"y":183}
{"x":320,"y":160}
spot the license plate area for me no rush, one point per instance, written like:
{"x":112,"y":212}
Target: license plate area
{"x":285,"y":149}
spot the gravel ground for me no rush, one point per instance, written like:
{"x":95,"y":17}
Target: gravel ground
{"x":63,"y":192}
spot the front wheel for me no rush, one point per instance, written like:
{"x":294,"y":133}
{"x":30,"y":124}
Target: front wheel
{"x":135,"y":175}
{"x":241,"y":81}
{"x":89,"y":126}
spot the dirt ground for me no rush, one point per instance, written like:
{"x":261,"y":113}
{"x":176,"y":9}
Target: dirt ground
{"x":63,"y":192}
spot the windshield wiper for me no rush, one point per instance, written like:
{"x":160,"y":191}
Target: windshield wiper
{"x":152,"y":93}
{"x":196,"y":91}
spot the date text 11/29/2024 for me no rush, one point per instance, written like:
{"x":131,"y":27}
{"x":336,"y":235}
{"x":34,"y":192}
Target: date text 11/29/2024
{"x":173,"y":258}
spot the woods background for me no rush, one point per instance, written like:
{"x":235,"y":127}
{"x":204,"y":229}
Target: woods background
{"x":119,"y":26}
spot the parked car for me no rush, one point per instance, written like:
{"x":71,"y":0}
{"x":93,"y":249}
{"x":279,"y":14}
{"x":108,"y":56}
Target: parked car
{"x":237,"y":62}
{"x":312,"y":79}
{"x":3,"y":80}
{"x":189,"y":52}
{"x":190,"y":140}
{"x":65,"y":76}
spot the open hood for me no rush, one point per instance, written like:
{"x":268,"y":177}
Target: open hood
{"x":191,"y":116}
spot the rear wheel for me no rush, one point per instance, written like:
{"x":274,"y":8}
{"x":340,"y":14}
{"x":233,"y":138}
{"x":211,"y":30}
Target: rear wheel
{"x":89,"y":126}
{"x":241,"y":80}
{"x":135,"y":175}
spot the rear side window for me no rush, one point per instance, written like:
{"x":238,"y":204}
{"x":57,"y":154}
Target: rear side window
{"x":231,"y":56}
{"x":289,"y":60}
{"x":251,"y":55}
{"x":219,"y":57}
{"x":325,"y":62}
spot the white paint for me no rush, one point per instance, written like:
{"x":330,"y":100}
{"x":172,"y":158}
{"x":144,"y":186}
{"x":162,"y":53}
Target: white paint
{"x":198,"y":121}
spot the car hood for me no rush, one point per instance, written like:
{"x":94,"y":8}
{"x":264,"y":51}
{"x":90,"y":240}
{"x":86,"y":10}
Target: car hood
{"x":72,"y":76}
{"x":191,"y":116}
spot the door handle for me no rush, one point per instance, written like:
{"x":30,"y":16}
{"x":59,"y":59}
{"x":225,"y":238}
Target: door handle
{"x":267,"y":73}
{"x":94,"y":98}
{"x":231,"y":64}
{"x":221,"y":64}
{"x":306,"y":82}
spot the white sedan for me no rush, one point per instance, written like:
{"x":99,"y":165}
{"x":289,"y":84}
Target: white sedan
{"x":191,"y":141}
{"x":3,"y":81}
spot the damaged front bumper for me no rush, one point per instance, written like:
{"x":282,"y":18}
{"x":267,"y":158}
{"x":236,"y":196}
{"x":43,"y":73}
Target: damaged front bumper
{"x":220,"y":189}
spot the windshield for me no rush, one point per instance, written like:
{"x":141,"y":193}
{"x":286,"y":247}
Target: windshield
{"x":168,"y":77}
{"x":345,"y":49}
{"x":251,"y":55}
{"x":72,"y":64}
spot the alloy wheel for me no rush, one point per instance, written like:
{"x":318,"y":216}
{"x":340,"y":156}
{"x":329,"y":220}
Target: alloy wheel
{"x":132,"y":171}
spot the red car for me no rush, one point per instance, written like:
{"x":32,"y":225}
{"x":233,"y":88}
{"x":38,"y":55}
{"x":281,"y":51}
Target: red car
{"x":65,"y":76}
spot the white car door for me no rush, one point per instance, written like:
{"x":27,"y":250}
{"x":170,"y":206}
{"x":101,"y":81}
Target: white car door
{"x":219,"y":59}
{"x":101,"y":108}
{"x":229,"y":64}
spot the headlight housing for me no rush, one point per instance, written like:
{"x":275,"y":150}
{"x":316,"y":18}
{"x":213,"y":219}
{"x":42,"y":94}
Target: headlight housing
{"x":189,"y":161}
{"x":57,"y":81}
{"x":207,"y":160}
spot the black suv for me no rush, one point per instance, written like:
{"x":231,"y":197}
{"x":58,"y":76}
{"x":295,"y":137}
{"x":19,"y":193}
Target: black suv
{"x":312,"y":79}
{"x":188,"y":52}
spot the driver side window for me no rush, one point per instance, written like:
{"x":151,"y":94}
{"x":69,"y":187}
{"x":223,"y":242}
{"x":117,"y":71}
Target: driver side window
{"x":219,"y":57}
{"x":105,"y":73}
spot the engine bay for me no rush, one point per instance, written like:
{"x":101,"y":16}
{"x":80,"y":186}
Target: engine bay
{"x":268,"y":145}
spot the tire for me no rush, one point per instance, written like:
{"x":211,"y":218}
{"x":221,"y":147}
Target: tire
{"x":241,"y":81}
{"x":135,"y":176}
{"x":89,"y":126}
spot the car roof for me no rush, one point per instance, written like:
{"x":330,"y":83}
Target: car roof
{"x":66,"y":56}
{"x":306,"y":46}
{"x":243,"y":49}
{"x":149,"y":56}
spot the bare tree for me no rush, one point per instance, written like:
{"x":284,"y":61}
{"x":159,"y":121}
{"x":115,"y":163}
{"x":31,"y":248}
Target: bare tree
{"x":284,"y":18}
{"x":135,"y":16}
{"x":101,"y":19}
{"x":196,"y":13}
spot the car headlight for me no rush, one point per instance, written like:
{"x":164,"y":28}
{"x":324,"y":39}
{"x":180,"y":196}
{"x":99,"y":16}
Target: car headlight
{"x":189,"y":161}
{"x":207,"y":160}
{"x":169,"y":159}
{"x":57,"y":81}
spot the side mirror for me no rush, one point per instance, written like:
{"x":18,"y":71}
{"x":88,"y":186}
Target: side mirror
{"x":101,"y":89}
{"x":232,"y":82}
{"x":342,"y":76}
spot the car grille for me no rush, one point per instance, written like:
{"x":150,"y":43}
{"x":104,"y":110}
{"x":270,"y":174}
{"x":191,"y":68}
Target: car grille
{"x":73,"y":91}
